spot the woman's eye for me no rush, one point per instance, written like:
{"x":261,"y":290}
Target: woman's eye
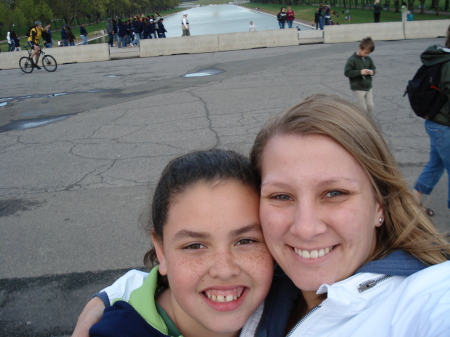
{"x":245,"y":242}
{"x":282,"y":197}
{"x":334,"y":194}
{"x":194,"y":246}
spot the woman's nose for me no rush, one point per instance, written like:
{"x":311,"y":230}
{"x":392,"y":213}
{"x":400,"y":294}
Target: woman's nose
{"x":307,"y":222}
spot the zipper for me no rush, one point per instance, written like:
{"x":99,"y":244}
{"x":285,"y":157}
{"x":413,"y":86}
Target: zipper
{"x":304,"y":317}
{"x":372,"y":283}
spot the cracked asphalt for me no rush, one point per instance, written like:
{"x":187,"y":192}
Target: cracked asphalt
{"x":72,"y":190}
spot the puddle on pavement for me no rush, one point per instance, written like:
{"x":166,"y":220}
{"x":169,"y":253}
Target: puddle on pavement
{"x":57,"y":94}
{"x":205,"y":72}
{"x":32,"y":123}
{"x":3,"y":103}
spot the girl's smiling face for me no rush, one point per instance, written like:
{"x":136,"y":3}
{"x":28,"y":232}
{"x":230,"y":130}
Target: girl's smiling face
{"x":318,"y":210}
{"x":213,"y":253}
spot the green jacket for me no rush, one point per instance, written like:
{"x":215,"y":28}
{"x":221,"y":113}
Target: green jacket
{"x":353,"y":69}
{"x":439,"y":54}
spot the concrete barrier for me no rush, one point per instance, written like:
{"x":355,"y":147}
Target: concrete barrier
{"x":10,"y":60}
{"x":179,"y":45}
{"x":310,"y":36}
{"x":356,"y":32}
{"x":83,"y":53}
{"x":258,"y":39}
{"x":219,"y":42}
{"x":425,"y":29}
{"x":86,"y":53}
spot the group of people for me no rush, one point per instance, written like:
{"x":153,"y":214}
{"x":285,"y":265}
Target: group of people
{"x":322,"y":16}
{"x":130,"y":32}
{"x":13,"y":41}
{"x":285,"y":16}
{"x":317,"y":234}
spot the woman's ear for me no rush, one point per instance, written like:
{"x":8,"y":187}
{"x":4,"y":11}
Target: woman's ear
{"x":160,"y":255}
{"x":380,"y":216}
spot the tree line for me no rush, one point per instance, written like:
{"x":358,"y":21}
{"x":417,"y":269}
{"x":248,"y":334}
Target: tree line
{"x":18,"y":15}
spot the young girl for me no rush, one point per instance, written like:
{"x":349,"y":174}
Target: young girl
{"x":214,"y":267}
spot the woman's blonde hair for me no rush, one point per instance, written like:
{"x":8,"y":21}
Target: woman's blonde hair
{"x":406,"y":226}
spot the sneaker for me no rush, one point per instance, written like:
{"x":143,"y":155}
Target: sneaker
{"x":37,"y":67}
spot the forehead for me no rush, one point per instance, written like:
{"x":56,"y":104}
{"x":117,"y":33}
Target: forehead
{"x":312,"y":157}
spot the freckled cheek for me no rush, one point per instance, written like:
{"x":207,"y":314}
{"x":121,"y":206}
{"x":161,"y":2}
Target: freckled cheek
{"x":258,"y":263}
{"x":186,"y":267}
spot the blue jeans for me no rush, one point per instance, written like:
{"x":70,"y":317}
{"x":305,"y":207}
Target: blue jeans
{"x":84,"y":38}
{"x":111,"y":40}
{"x":290,"y":23}
{"x":439,"y":159}
{"x":321,"y":22}
{"x":281,"y":23}
{"x":137,"y":40}
{"x":122,"y":40}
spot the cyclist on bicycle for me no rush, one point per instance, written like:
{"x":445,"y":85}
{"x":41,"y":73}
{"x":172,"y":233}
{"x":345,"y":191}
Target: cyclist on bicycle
{"x":33,"y":42}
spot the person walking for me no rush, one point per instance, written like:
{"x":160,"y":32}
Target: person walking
{"x":290,"y":16}
{"x":317,"y":19}
{"x":437,"y":127}
{"x":70,"y":37}
{"x":376,"y":11}
{"x":161,"y":29}
{"x":185,"y":26}
{"x":15,"y":41}
{"x":10,"y":42}
{"x":64,"y":42}
{"x":83,"y":34}
{"x":281,"y":17}
{"x":252,"y":27}
{"x":110,"y":32}
{"x":48,"y":36}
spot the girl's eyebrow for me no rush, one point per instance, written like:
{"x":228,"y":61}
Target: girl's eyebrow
{"x":183,"y":234}
{"x":187,"y":234}
{"x":246,"y":229}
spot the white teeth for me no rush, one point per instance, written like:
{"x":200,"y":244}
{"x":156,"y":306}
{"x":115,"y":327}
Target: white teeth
{"x":313,"y":254}
{"x":222,"y":298}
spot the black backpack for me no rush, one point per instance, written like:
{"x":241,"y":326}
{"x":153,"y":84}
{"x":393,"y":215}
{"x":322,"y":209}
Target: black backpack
{"x":29,"y":30}
{"x":423,"y":91}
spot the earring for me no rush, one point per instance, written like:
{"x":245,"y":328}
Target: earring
{"x":380,"y":220}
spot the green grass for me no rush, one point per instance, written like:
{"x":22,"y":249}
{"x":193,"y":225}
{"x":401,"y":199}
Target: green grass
{"x":358,"y":15}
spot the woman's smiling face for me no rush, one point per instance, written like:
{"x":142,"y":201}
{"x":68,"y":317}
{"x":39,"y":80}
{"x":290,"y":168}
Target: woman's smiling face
{"x":213,"y":252}
{"x":318,"y":209}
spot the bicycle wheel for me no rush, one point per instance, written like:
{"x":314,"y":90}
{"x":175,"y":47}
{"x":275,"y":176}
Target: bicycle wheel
{"x":49,"y":63}
{"x":26,"y":65}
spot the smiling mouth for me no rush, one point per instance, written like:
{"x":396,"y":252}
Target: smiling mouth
{"x":313,"y":254}
{"x":221,"y":296}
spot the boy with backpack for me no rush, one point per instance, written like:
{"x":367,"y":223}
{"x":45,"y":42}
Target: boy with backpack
{"x":360,"y":69}
{"x":437,"y":120}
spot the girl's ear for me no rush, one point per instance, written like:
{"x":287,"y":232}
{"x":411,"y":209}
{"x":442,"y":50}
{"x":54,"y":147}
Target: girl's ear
{"x":160,"y":255}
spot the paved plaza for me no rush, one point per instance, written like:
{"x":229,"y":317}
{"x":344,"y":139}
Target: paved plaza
{"x":72,"y":189}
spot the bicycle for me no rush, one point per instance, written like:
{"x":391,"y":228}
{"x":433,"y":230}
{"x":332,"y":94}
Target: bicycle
{"x":27,"y":64}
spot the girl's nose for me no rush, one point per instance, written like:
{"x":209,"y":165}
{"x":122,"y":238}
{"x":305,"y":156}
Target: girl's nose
{"x":224,"y":266}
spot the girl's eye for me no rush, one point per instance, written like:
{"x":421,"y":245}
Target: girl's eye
{"x":245,"y":242}
{"x":194,"y":246}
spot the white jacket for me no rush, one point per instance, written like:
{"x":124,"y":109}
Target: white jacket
{"x":397,"y":306}
{"x":364,"y":305}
